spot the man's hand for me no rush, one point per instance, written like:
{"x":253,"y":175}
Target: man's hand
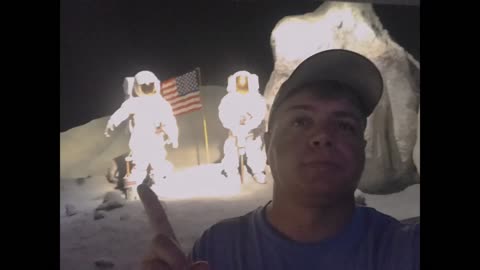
{"x":175,"y":144}
{"x":245,"y":118}
{"x":110,"y":127}
{"x":159,"y":129}
{"x":165,"y":252}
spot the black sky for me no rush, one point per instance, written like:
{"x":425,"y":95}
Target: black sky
{"x":102,"y":41}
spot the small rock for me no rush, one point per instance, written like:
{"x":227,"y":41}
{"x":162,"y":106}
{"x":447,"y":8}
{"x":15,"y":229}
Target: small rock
{"x":109,"y":206}
{"x":114,"y":196}
{"x":124,"y":217}
{"x":99,"y":214}
{"x":112,"y":200}
{"x":70,"y":209}
{"x":104,"y":263}
{"x":80,"y":181}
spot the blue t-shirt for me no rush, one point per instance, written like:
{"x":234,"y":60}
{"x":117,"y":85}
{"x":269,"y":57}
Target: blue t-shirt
{"x":371,"y":241}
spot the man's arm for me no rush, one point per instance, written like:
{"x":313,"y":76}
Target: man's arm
{"x":119,"y":116}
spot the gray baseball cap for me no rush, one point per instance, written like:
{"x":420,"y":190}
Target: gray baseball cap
{"x":344,"y":66}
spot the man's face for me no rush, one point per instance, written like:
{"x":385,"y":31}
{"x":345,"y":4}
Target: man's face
{"x":315,"y":147}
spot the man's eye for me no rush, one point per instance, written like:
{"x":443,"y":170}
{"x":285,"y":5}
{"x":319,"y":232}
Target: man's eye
{"x":348,"y":127}
{"x":301,"y":122}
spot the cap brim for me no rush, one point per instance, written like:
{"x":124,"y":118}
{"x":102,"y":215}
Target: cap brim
{"x":344,"y":66}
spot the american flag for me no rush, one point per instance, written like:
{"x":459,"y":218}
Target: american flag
{"x":183,"y":92}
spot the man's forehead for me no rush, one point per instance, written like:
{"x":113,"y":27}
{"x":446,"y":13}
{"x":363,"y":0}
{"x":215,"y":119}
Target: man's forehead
{"x":308,"y":101}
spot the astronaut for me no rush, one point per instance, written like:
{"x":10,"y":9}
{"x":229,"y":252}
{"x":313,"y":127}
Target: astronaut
{"x":152,"y":125}
{"x":241,"y":111}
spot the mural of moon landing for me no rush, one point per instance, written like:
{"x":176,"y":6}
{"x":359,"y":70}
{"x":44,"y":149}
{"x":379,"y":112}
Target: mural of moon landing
{"x":99,"y":227}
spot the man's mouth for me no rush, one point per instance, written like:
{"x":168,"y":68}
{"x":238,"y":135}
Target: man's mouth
{"x":321,"y":164}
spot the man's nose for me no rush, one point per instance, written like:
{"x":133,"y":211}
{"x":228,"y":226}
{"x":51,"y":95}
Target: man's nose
{"x":321,"y":139}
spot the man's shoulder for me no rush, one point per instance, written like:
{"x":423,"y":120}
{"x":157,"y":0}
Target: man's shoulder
{"x":228,"y":232}
{"x":381,"y":221}
{"x":388,"y":233}
{"x":394,"y":241}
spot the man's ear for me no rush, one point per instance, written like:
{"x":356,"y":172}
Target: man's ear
{"x":364,"y":141}
{"x":266,"y":139}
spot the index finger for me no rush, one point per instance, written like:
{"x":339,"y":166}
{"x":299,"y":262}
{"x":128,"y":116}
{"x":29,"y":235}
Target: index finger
{"x":155,"y":212}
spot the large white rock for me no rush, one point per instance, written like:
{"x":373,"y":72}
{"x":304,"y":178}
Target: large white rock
{"x":391,"y":131}
{"x":416,"y":149}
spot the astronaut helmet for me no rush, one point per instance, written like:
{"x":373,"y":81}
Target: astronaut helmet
{"x":146,"y":83}
{"x":242,"y":82}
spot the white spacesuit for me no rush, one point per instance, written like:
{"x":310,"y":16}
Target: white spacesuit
{"x":242,"y":111}
{"x":151,"y":118}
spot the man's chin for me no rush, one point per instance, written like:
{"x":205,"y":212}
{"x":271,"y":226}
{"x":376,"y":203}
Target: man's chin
{"x":326,"y":199}
{"x":326,"y":190}
{"x":322,"y":179}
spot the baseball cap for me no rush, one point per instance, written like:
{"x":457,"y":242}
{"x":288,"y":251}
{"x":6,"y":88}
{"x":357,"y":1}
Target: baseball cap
{"x":344,"y":66}
{"x":145,"y":77}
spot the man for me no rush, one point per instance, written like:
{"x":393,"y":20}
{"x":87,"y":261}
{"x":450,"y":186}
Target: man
{"x":152,"y":120}
{"x":315,"y":148}
{"x":241,"y":111}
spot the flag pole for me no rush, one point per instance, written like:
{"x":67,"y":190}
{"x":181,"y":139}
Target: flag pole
{"x":206,"y":137}
{"x":205,"y":133}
